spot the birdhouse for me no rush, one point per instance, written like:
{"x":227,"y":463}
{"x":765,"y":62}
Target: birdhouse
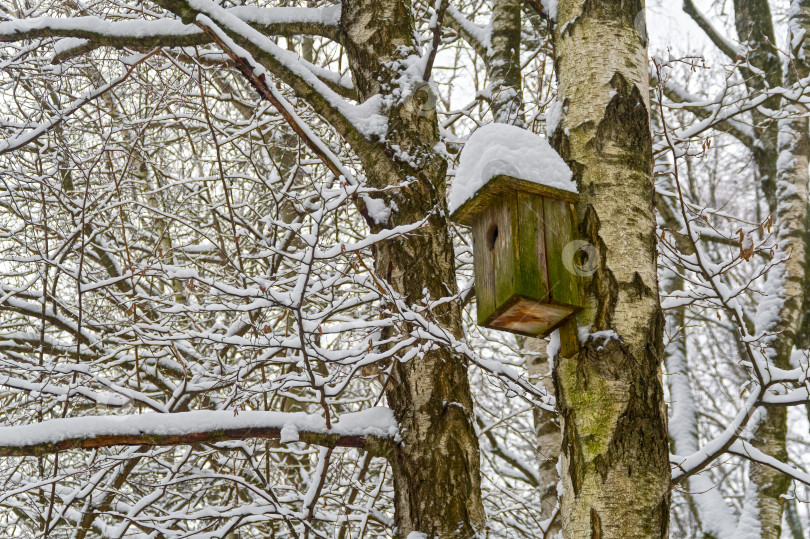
{"x":523,"y":232}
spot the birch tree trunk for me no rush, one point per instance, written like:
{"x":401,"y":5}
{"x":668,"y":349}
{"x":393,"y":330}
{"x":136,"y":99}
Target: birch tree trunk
{"x":615,"y":459}
{"x":503,"y":63}
{"x":437,"y":466}
{"x":754,"y":25}
{"x":786,"y":284}
{"x":547,"y":431}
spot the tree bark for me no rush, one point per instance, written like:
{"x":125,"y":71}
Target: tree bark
{"x":503,"y":63}
{"x":754,"y":25}
{"x":547,"y":431}
{"x":436,"y":468}
{"x":786,"y":283}
{"x":615,"y":458}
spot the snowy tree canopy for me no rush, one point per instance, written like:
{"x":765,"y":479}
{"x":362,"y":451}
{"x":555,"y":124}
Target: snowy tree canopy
{"x":233,"y":304}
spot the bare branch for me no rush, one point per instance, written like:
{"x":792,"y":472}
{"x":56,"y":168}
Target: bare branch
{"x":741,"y":132}
{"x":725,"y":46}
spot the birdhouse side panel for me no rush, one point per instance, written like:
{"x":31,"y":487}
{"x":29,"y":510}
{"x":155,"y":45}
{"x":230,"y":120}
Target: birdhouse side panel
{"x":531,"y":279}
{"x":494,"y":252}
{"x":564,"y":282}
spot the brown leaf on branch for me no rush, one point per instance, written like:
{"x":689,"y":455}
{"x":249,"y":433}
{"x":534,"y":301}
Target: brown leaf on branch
{"x":746,"y":245}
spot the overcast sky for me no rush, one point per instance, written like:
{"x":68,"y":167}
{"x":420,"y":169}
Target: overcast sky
{"x":670,"y":26}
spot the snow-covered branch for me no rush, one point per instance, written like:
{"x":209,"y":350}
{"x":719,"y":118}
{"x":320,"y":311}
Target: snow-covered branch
{"x":373,"y":429}
{"x":475,"y":35}
{"x":171,"y":32}
{"x":721,"y":42}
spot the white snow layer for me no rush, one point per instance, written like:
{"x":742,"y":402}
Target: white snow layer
{"x":378,"y":421}
{"x":505,"y":149}
{"x":551,"y":8}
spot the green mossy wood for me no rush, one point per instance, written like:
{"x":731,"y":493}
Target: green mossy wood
{"x":520,"y":231}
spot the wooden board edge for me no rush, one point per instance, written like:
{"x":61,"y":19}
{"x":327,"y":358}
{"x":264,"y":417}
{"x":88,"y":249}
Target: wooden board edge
{"x":499,"y":185}
{"x":508,"y":304}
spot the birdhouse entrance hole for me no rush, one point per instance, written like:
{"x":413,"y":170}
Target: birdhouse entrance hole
{"x":492,"y":236}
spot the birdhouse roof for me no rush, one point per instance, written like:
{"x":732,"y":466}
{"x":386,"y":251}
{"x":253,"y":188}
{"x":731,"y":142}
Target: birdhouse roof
{"x":501,"y":158}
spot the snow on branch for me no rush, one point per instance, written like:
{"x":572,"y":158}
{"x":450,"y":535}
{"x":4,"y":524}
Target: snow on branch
{"x":363,"y":120}
{"x":322,"y":21}
{"x":255,"y":75}
{"x":168,"y":32}
{"x":720,"y":41}
{"x":514,"y":382}
{"x":684,"y":466}
{"x":744,"y":449}
{"x":706,"y":109}
{"x":476,"y":36}
{"x":100,"y":30}
{"x":361,"y":125}
{"x":20,"y":140}
{"x":373,"y":429}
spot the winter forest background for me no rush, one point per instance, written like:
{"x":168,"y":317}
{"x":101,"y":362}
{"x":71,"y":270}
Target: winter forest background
{"x":232,"y":304}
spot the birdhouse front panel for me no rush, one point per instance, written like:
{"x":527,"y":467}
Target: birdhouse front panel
{"x":495,"y":253}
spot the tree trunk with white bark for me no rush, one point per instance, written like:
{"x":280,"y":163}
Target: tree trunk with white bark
{"x":615,"y":459}
{"x":786,"y":283}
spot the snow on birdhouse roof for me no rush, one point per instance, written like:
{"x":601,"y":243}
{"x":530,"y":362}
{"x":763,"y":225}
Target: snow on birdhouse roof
{"x":505,"y":150}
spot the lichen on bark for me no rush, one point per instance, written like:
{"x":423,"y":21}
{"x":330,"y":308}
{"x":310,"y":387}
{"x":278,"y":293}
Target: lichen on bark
{"x":614,"y":453}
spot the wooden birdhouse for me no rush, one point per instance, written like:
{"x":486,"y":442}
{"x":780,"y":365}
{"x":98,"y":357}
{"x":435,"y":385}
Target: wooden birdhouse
{"x":523,"y":232}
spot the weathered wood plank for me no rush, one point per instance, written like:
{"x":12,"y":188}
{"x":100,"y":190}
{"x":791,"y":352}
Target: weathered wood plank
{"x":531,"y":279}
{"x":526,"y":316}
{"x":494,"y":256}
{"x":564,"y":283}
{"x":483,"y":264}
{"x":505,"y":247}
